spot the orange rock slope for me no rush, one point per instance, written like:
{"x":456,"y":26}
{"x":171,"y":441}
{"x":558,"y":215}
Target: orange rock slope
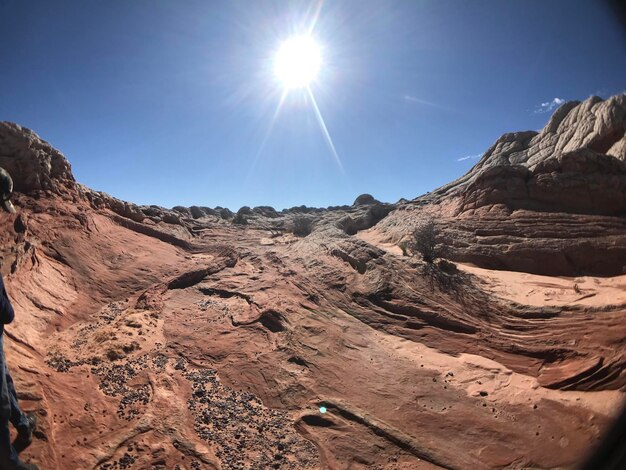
{"x":154,"y":338}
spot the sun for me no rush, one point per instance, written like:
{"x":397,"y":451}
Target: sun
{"x":297,"y":62}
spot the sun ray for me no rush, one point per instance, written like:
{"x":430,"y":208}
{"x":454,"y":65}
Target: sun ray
{"x":315,"y":17}
{"x":270,"y":127}
{"x":322,"y":124}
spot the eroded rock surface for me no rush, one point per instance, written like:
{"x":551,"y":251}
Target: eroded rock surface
{"x":551,"y":202}
{"x":194,"y":342}
{"x":33,"y":162}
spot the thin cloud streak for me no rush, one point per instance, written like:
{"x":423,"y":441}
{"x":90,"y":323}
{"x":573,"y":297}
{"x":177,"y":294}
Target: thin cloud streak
{"x":469,"y":157}
{"x":549,"y":105}
{"x":413,"y":99}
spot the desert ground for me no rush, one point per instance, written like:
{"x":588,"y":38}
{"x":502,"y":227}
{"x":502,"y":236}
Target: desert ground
{"x":196,"y":338}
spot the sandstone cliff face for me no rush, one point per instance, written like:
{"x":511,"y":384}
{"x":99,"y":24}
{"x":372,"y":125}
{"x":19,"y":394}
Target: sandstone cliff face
{"x":577,"y":164}
{"x":551,"y":202}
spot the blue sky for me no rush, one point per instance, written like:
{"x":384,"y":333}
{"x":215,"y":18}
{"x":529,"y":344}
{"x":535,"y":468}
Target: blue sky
{"x":172,"y":102}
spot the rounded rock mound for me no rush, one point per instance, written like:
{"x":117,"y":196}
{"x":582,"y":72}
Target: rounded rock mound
{"x":32,"y":162}
{"x":365,"y":199}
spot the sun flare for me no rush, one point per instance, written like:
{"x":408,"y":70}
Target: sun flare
{"x":297,"y":62}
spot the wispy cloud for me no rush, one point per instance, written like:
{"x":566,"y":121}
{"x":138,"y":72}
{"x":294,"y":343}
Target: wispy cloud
{"x":469,"y":157}
{"x":602,"y":93}
{"x":413,"y":99}
{"x":549,"y":105}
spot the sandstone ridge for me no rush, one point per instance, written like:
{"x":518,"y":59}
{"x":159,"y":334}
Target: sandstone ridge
{"x":550,"y":202}
{"x":576,"y":164}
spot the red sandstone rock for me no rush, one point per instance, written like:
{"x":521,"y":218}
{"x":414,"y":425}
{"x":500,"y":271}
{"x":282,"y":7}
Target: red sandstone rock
{"x":150,"y":344}
{"x":548,"y":203}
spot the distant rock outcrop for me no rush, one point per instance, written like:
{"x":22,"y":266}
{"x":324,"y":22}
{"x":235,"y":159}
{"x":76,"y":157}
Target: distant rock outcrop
{"x":32,"y":162}
{"x":576,"y":164}
{"x":549,"y":202}
{"x":364,"y":199}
